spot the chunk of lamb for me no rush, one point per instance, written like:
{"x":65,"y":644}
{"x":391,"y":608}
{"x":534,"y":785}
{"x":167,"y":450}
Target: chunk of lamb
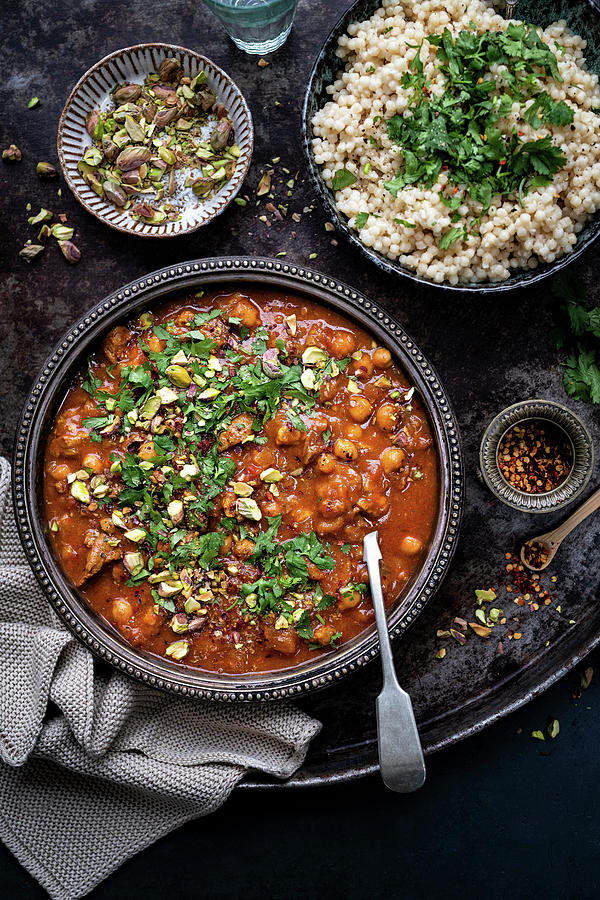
{"x":115,"y":343}
{"x":239,"y":429}
{"x":283,"y":641}
{"x":99,"y":553}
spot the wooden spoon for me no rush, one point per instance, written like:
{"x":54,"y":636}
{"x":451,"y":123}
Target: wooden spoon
{"x":552,"y":540}
{"x":400,"y":754}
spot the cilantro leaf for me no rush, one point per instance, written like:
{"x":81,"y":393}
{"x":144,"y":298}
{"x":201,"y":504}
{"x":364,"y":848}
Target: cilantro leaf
{"x":342,"y":179}
{"x":456,"y":233}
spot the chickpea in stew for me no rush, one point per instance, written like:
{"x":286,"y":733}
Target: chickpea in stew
{"x":210,"y":477}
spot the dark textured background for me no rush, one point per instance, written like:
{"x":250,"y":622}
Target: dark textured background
{"x":500,"y":812}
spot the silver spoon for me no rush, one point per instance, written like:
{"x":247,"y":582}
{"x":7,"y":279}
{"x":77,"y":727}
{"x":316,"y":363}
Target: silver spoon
{"x":400,"y":754}
{"x":509,"y":12}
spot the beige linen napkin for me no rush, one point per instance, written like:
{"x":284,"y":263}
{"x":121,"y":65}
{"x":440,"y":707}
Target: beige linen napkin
{"x":110,"y":765}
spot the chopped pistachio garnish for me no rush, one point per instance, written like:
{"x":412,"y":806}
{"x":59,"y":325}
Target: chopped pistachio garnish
{"x":80,"y":491}
{"x":271,"y":475}
{"x":178,"y":649}
{"x":137,"y":535}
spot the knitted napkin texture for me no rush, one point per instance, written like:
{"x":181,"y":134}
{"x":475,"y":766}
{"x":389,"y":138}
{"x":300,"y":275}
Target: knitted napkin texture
{"x":96,"y":767}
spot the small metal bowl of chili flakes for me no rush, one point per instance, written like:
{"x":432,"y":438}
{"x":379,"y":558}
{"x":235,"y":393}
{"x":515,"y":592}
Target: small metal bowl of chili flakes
{"x":536,"y":456}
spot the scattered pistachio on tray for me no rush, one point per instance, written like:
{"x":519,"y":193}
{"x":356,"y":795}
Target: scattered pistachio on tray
{"x":12,"y":154}
{"x":170,"y":124}
{"x":30,"y":251}
{"x":46,"y":170}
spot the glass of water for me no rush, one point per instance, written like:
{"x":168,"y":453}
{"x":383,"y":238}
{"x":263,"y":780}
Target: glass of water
{"x":256,"y":26}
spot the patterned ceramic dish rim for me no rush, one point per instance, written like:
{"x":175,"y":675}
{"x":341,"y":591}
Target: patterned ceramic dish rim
{"x":312,"y":100}
{"x":48,"y":391}
{"x":583,"y":456}
{"x":73,"y":118}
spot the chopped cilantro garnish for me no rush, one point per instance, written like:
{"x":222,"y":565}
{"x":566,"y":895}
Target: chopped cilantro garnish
{"x":457,"y":130}
{"x":342,"y":179}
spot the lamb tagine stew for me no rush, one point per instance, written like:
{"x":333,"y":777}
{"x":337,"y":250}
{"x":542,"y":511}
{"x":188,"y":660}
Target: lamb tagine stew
{"x":210,"y":477}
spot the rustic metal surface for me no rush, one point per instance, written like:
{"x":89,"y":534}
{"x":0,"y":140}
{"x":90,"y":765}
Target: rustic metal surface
{"x":488,"y":352}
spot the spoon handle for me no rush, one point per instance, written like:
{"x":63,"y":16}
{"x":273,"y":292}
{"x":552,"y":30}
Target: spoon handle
{"x":586,"y":509}
{"x":400,"y":753}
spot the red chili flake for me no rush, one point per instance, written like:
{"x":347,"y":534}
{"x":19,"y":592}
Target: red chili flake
{"x":535,"y":457}
{"x":536,"y":554}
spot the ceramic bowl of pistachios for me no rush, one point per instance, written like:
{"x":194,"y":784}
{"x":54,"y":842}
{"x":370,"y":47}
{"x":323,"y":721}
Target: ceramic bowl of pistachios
{"x":155,"y":140}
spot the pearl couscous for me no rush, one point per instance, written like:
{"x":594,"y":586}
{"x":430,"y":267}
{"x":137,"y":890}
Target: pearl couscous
{"x":350,"y":134}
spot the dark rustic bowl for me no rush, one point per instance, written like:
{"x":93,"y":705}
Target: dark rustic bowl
{"x":48,"y":392}
{"x":91,"y":92}
{"x":582,"y":16}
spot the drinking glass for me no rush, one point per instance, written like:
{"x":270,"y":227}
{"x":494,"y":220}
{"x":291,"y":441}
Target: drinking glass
{"x":256,"y":26}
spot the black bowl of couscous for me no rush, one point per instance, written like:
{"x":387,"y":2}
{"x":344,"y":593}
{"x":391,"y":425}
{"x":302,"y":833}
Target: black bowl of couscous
{"x":393,"y":179}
